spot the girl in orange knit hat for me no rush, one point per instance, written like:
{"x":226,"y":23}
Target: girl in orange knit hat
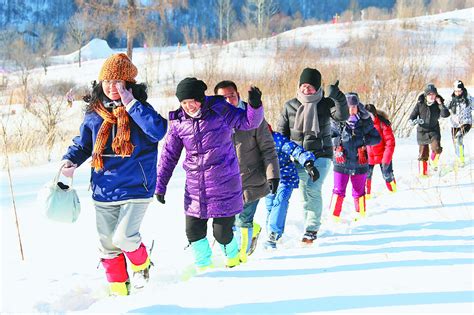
{"x":121,"y":132}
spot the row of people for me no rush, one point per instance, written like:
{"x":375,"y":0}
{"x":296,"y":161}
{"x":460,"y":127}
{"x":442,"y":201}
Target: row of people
{"x":428,"y":110}
{"x":232,"y":160}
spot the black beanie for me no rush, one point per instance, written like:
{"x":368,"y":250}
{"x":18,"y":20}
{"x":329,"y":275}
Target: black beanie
{"x":430,"y":88}
{"x":458,"y":85}
{"x":311,"y":76}
{"x":371,"y":109}
{"x":191,"y":88}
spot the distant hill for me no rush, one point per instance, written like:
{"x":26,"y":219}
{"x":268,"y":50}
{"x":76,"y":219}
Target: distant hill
{"x":32,"y":15}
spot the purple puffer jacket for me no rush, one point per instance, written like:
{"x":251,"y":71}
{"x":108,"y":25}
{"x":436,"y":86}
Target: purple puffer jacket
{"x":213,"y":184}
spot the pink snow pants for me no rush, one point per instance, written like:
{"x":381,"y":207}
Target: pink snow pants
{"x":357,"y":180}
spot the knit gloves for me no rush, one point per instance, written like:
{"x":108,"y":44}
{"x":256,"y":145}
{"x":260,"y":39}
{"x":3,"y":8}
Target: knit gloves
{"x":339,"y":154}
{"x":362,"y":154}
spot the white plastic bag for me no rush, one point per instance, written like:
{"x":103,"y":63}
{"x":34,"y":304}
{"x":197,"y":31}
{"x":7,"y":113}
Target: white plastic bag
{"x":61,"y":205}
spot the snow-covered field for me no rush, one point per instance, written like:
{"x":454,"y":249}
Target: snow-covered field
{"x":413,"y":253}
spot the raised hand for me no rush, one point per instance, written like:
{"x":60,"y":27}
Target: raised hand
{"x":334,"y":91}
{"x":255,"y":97}
{"x":125,"y":95}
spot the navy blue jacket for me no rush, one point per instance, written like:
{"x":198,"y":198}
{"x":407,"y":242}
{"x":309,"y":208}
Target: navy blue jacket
{"x":125,"y":178}
{"x":363,"y":134}
{"x":285,"y":150}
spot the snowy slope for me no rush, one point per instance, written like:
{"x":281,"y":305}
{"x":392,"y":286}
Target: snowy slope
{"x":252,"y":55}
{"x":413,"y":253}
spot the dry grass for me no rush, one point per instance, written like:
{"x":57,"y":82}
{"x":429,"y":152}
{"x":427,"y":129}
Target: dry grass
{"x":380,"y":69}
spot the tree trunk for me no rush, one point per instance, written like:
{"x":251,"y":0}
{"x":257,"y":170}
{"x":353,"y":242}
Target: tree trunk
{"x":129,"y":43}
{"x":80,"y":56}
{"x":131,"y":25}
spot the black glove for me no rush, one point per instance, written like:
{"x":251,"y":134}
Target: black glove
{"x":273,"y":183}
{"x":311,"y":170}
{"x":439,"y":100}
{"x":255,"y":97}
{"x":334,"y":92}
{"x":160,"y":198}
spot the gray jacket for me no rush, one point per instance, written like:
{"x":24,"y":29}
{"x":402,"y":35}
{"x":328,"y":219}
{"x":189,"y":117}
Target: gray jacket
{"x":258,"y":161}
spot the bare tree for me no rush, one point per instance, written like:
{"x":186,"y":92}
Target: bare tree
{"x":190,"y":37}
{"x":154,"y":41}
{"x":24,"y":59}
{"x":225,"y":17}
{"x":79,"y":32}
{"x":49,"y":105}
{"x":409,"y":8}
{"x":45,"y":49}
{"x":126,"y":15}
{"x":259,"y":12}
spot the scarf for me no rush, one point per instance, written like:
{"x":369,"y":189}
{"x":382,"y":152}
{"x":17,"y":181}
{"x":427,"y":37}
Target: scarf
{"x":197,"y":114}
{"x":121,"y":144}
{"x":306,"y":119}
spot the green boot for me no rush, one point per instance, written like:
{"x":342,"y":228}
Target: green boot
{"x":231,"y":251}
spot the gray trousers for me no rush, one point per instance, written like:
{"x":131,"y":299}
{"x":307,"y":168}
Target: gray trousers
{"x":312,"y":193}
{"x":118,"y":227}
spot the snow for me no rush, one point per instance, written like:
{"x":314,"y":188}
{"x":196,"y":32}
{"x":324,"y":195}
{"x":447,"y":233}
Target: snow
{"x":95,"y":49}
{"x":412,"y":254}
{"x":174,"y":62}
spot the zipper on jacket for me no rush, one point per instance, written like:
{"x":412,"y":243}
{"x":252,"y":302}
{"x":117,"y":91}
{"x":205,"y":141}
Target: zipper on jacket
{"x":145,"y":182}
{"x":201,"y":171}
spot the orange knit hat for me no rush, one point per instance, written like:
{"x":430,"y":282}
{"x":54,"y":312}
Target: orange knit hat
{"x":118,"y":67}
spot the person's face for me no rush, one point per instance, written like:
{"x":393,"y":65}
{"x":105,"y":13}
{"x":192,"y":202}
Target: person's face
{"x":431,"y":97}
{"x":307,"y":89}
{"x":230,"y":95}
{"x":457,"y":92}
{"x":190,"y":106}
{"x":110,"y":88}
{"x":353,"y":110}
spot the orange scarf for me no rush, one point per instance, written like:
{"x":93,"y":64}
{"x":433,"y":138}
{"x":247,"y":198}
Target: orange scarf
{"x":121,"y":144}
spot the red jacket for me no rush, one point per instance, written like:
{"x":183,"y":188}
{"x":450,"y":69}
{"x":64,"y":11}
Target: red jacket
{"x":382,"y":153}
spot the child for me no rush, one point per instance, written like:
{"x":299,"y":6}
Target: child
{"x":203,"y":126}
{"x":277,"y":203}
{"x":381,"y":153}
{"x":461,"y":118}
{"x":350,"y":156}
{"x":121,"y":132}
{"x":430,"y":107}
